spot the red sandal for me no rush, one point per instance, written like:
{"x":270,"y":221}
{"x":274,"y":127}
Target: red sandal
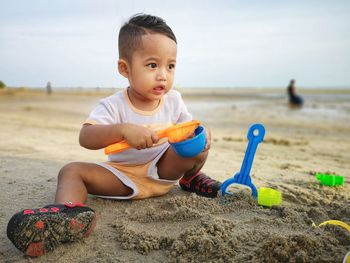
{"x":40,"y":230}
{"x":201,"y":184}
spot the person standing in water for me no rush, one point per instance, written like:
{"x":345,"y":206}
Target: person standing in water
{"x":294,"y":99}
{"x":48,"y":88}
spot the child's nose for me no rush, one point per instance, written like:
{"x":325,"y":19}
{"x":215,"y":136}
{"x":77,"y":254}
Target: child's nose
{"x":161,"y":75}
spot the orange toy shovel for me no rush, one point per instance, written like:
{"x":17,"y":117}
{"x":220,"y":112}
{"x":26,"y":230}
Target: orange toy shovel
{"x":175,"y":133}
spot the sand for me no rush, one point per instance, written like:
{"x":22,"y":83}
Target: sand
{"x":39,"y":134}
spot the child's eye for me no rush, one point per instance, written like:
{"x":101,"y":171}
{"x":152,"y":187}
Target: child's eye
{"x":171,"y":66}
{"x":152,"y":65}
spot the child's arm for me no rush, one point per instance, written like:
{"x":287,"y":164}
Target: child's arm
{"x":98,"y":136}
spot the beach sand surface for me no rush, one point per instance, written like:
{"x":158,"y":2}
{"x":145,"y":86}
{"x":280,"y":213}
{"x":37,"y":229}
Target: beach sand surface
{"x":39,"y":134}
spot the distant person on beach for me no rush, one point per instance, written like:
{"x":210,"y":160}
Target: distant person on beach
{"x":48,"y":88}
{"x":294,"y":99}
{"x":147,"y":58}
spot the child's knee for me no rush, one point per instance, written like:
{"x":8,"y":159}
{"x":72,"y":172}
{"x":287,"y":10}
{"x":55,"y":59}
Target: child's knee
{"x":196,"y":160}
{"x":201,"y":158}
{"x":69,"y":170}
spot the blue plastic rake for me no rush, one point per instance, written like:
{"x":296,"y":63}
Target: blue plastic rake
{"x":255,"y":135}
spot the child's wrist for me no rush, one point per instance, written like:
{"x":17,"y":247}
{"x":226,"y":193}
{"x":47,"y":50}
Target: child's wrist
{"x":122,"y":129}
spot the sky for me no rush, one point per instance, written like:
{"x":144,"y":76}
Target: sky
{"x":255,"y":43}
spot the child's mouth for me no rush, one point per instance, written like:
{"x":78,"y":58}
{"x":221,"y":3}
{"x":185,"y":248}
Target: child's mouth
{"x":159,"y":89}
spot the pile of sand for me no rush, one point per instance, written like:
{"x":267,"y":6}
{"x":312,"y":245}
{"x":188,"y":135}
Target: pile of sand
{"x":235,"y":229}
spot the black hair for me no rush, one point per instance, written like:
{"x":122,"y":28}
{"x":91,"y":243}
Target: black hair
{"x":138,"y":25}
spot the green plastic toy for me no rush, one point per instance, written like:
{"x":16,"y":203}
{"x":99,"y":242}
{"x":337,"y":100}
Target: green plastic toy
{"x":269,"y":197}
{"x":330,"y":179}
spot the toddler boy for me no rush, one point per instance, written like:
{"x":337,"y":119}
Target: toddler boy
{"x":147,"y":58}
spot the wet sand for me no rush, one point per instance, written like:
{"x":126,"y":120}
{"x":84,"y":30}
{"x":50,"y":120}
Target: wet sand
{"x":39,"y":134}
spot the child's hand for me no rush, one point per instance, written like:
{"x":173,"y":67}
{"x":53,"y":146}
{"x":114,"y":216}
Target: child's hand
{"x":208,"y":139}
{"x":139,"y":137}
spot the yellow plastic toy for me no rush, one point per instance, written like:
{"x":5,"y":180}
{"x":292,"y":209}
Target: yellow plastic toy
{"x":347,"y":258}
{"x":175,"y":133}
{"x":336,"y":223}
{"x":269,"y":197}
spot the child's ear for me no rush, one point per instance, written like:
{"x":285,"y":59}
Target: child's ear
{"x":123,"y":67}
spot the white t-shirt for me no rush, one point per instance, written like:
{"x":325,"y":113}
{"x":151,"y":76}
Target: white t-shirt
{"x":118,"y":108}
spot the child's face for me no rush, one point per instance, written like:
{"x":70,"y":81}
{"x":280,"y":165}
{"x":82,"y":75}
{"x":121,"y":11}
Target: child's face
{"x":152,"y":68}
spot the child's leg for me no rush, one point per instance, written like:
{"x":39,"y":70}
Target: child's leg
{"x":37,"y":231}
{"x":173,"y":167}
{"x":76,"y":180}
